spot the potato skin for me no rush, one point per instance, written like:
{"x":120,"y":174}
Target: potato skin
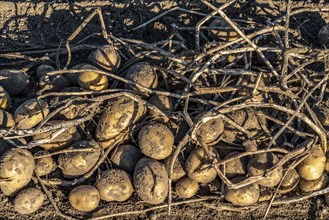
{"x":290,"y":181}
{"x":18,"y":165}
{"x":106,"y":57}
{"x":5,"y":101}
{"x":323,"y":36}
{"x":151,"y":181}
{"x":312,"y":185}
{"x":13,"y":81}
{"x":186,"y":188}
{"x":126,"y":157}
{"x":237,"y":167}
{"x":144,"y":74}
{"x":114,"y":185}
{"x":179,"y":167}
{"x":6,"y":119}
{"x":84,"y":198}
{"x":28,"y":201}
{"x":312,"y":167}
{"x":31,"y":113}
{"x":211,"y":130}
{"x":91,"y":80}
{"x":43,"y":69}
{"x":156,"y":141}
{"x":44,"y":165}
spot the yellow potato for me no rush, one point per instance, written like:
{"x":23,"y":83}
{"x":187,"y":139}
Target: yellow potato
{"x":5,"y":101}
{"x":186,"y":188}
{"x":44,"y":165}
{"x":237,"y":167}
{"x":144,"y":74}
{"x":84,"y":198}
{"x":106,"y":57}
{"x":210,"y":130}
{"x":313,"y":185}
{"x":290,"y":181}
{"x":126,"y":157}
{"x":163,"y":103}
{"x":91,"y":80}
{"x":28,"y":201}
{"x":13,"y":81}
{"x":74,"y":77}
{"x":179,"y":168}
{"x":6,"y":119}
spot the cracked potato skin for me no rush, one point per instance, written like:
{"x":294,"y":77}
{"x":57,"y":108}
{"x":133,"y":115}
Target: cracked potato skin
{"x":28,"y":201}
{"x":84,"y":198}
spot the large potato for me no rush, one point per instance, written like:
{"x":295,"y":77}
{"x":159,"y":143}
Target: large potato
{"x":31,"y":113}
{"x":6,"y":119}
{"x":151,"y":180}
{"x":44,"y":165}
{"x":13,"y":81}
{"x":91,"y":80}
{"x":210,"y":131}
{"x":28,"y":201}
{"x":156,"y":141}
{"x":198,"y":166}
{"x":236,"y":167}
{"x":178,"y":169}
{"x":313,"y":185}
{"x":16,"y":166}
{"x":5,"y":101}
{"x":186,"y":188}
{"x":144,"y":74}
{"x":126,"y":157}
{"x":76,"y":164}
{"x":312,"y":167}
{"x":106,"y":57}
{"x":84,"y":198}
{"x":114,"y":185}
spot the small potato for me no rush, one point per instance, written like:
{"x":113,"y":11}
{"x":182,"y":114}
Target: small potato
{"x":156,"y":141}
{"x":66,"y":138}
{"x":224,"y":34}
{"x":144,"y":74}
{"x":28,"y":201}
{"x":91,"y":80}
{"x":312,"y":167}
{"x":76,"y":164}
{"x":313,"y":185}
{"x":13,"y":81}
{"x":43,"y":69}
{"x":114,"y":185}
{"x":16,"y":167}
{"x":236,"y":167}
{"x":210,"y":130}
{"x":126,"y":157}
{"x":44,"y":165}
{"x":259,"y":163}
{"x":186,"y":188}
{"x":151,"y":180}
{"x":323,"y":36}
{"x":198,"y":166}
{"x":74,"y":77}
{"x":84,"y":198}
{"x":5,"y":101}
{"x":31,"y":113}
{"x":6,"y":119}
{"x":247,"y":195}
{"x":290,"y":181}
{"x":179,"y":168}
{"x":106,"y":57}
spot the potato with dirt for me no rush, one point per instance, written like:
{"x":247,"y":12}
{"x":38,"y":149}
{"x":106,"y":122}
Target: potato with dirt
{"x":313,"y":185}
{"x":6,"y":119}
{"x":106,"y":57}
{"x":178,"y":169}
{"x":91,"y":80}
{"x":235,"y":167}
{"x":44,"y":165}
{"x":54,"y":83}
{"x":13,"y":81}
{"x":186,"y":188}
{"x":156,"y":141}
{"x":28,"y":201}
{"x":289,"y":182}
{"x":114,"y":185}
{"x":209,"y":130}
{"x":5,"y":100}
{"x":151,"y":181}
{"x":163,"y":103}
{"x":31,"y":113}
{"x":126,"y":157}
{"x":84,"y":198}
{"x":144,"y":74}
{"x":323,"y":36}
{"x":16,"y":168}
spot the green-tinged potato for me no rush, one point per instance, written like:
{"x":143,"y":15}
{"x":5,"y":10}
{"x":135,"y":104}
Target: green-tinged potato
{"x":126,"y":157}
{"x":120,"y":113}
{"x":289,"y":182}
{"x":5,"y":101}
{"x":186,"y":188}
{"x":54,"y":83}
{"x":6,"y":119}
{"x":313,"y":185}
{"x":114,"y":185}
{"x":151,"y":180}
{"x":13,"y":81}
{"x":76,"y":164}
{"x":247,"y":195}
{"x":91,"y":80}
{"x":43,"y":69}
{"x":106,"y":57}
{"x":312,"y":167}
{"x":66,"y":138}
{"x":225,"y":34}
{"x":31,"y":113}
{"x":178,"y":169}
{"x":28,"y":201}
{"x":236,"y":167}
{"x":198,"y":166}
{"x":44,"y":165}
{"x":144,"y":74}
{"x":260,"y":163}
{"x":84,"y":198}
{"x":209,"y":130}
{"x":16,"y":167}
{"x":156,"y":141}
{"x":323,"y":36}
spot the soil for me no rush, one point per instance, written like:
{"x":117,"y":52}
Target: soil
{"x":26,"y":25}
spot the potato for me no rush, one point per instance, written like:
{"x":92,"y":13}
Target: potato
{"x":210,"y":130}
{"x":312,"y":167}
{"x":66,"y":138}
{"x":126,"y":157}
{"x":6,"y":119}
{"x":54,"y":83}
{"x":106,"y":57}
{"x":260,"y":163}
{"x":198,"y":166}
{"x":76,"y":164}
{"x":313,"y":185}
{"x":223,"y":35}
{"x":247,"y":195}
{"x":290,"y":181}
{"x":120,"y":113}
{"x":16,"y":167}
{"x":179,"y":169}
{"x":43,"y":69}
{"x":143,"y":74}
{"x":5,"y":101}
{"x":74,"y":77}
{"x":28,"y":201}
{"x":156,"y":141}
{"x":44,"y":165}
{"x":31,"y":113}
{"x":237,"y":167}
{"x":114,"y":185}
{"x":122,"y":138}
{"x":91,"y":80}
{"x":323,"y":36}
{"x":13,"y":81}
{"x":74,"y":110}
{"x":151,"y":181}
{"x":84,"y":198}
{"x":186,"y":188}
{"x":164,"y":103}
